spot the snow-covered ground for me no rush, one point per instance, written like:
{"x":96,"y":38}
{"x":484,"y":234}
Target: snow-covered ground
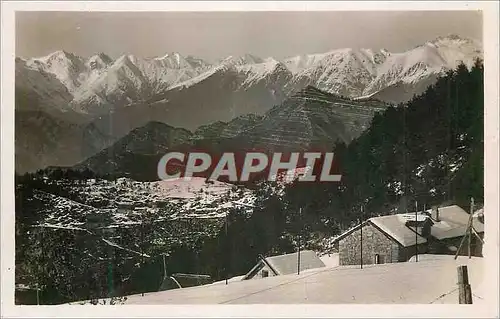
{"x":429,"y":281}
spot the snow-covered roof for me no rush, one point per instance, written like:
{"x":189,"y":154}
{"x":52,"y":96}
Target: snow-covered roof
{"x":394,"y":226}
{"x":287,"y":264}
{"x":232,"y":279}
{"x":452,"y":223}
{"x":350,"y":230}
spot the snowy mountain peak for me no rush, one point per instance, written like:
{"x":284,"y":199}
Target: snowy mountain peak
{"x":175,"y":57}
{"x":174,"y":60}
{"x":167,"y":55}
{"x":454,"y":41}
{"x":103,"y":56}
{"x":196,"y":62}
{"x":451,"y":37}
{"x":245,"y":59}
{"x":59,"y":54}
{"x":269,"y":70}
{"x":129,"y":60}
{"x":100,"y":83}
{"x":98,"y":61}
{"x":250,"y":59}
{"x":59,"y":58}
{"x":64,"y":65}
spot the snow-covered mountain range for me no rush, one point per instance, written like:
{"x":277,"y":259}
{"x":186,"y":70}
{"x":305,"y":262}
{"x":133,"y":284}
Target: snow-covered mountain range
{"x":98,"y":99}
{"x":99,"y":84}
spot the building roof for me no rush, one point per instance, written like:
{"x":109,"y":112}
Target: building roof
{"x":349,"y":231}
{"x":287,"y":264}
{"x":452,"y":223}
{"x":394,"y":226}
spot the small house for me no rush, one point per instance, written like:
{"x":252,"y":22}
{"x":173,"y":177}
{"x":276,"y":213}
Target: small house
{"x":284,"y":264}
{"x":396,"y":238}
{"x":191,"y":280}
{"x":180,"y":280}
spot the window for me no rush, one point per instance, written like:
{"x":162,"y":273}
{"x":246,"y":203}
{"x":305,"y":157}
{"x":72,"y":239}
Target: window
{"x":377,"y":259}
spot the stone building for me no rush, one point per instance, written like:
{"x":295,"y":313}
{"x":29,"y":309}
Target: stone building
{"x":396,"y":238}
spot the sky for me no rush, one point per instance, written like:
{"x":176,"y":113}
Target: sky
{"x":215,"y":35}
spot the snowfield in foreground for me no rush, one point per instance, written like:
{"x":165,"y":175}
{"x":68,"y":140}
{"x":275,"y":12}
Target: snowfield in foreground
{"x":429,"y":281}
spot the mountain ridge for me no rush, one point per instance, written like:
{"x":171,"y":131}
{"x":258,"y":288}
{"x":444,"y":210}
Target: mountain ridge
{"x":372,"y":70}
{"x":309,"y":119}
{"x":110,"y":97}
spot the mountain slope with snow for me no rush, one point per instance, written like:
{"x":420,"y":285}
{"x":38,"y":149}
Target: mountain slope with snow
{"x":117,"y":96}
{"x":424,"y":63}
{"x":99,"y":84}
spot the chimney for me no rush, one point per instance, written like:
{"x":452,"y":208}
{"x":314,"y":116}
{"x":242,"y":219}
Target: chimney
{"x":435,"y":213}
{"x":480,"y":217}
{"x":426,"y":228}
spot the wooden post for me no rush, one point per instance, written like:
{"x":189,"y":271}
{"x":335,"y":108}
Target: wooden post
{"x":464,"y":290}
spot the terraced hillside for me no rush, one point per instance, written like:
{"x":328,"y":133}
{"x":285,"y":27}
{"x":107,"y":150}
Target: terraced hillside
{"x":311,"y":118}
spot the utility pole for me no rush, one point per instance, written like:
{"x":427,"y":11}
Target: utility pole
{"x":142,"y":245}
{"x":164,"y":267}
{"x":416,"y":232}
{"x":298,"y":244}
{"x":227,"y":241}
{"x":37,"y":294}
{"x":361,"y":230}
{"x":40,"y":240}
{"x":469,"y":230}
{"x":110,"y":271}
